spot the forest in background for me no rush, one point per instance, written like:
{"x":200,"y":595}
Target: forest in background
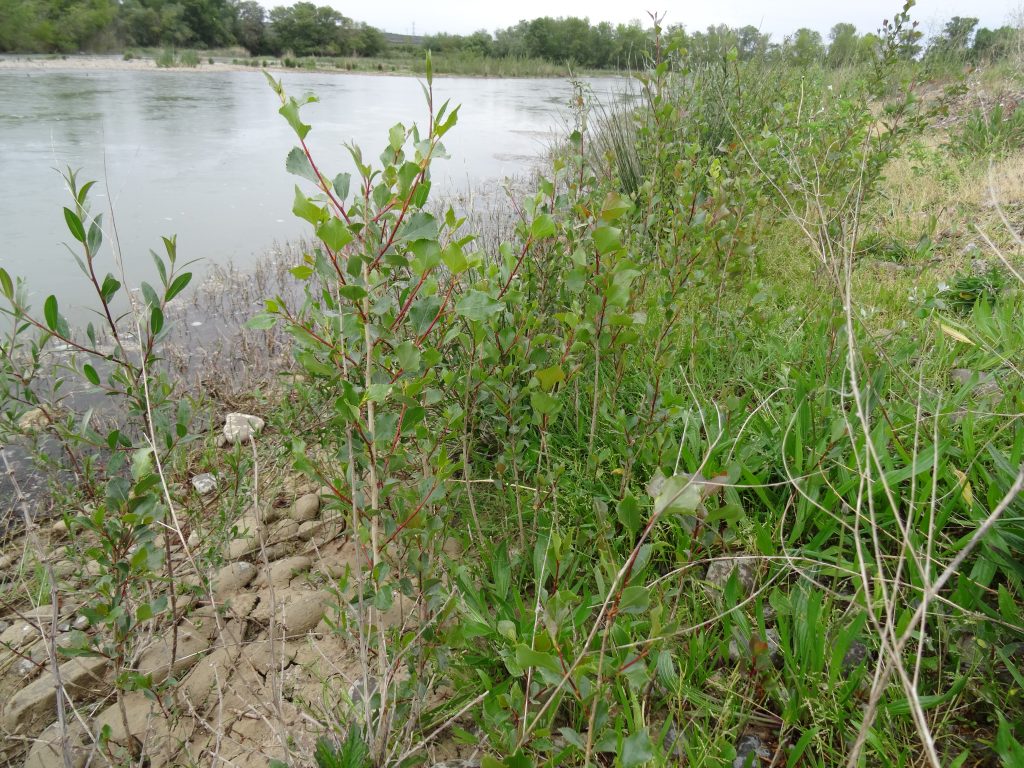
{"x":306,"y":29}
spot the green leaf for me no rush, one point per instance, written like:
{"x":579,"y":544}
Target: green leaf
{"x":290,"y":112}
{"x":677,"y":494}
{"x":635,"y":600}
{"x":6,"y":285}
{"x":334,"y":234}
{"x":607,"y":239}
{"x":178,"y":285}
{"x":142,"y":463}
{"x":396,"y":136}
{"x":91,"y":375}
{"x":156,"y":320}
{"x":527,"y":657}
{"x":420,"y":226}
{"x":478,"y":306}
{"x":615,"y":206}
{"x":341,"y":184}
{"x":636,"y":750}
{"x":50,"y":313}
{"x":110,"y":286}
{"x":408,"y":356}
{"x":95,"y":236}
{"x":542,"y":227}
{"x":630,"y":514}
{"x":297,"y":163}
{"x":667,"y":670}
{"x":74,"y":225}
{"x":454,"y":259}
{"x":549,"y":377}
{"x":543,"y":403}
{"x":306,"y":209}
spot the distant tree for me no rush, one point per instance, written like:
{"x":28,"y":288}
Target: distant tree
{"x":994,"y":44}
{"x":367,"y":40}
{"x":842,"y":49}
{"x":869,"y":48}
{"x":805,"y":47}
{"x":750,"y":42}
{"x":953,"y":42}
{"x":250,"y":26}
{"x":633,"y":45}
{"x":306,"y":29}
{"x":47,"y":26}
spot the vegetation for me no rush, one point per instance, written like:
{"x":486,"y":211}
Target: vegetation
{"x":726,"y":486}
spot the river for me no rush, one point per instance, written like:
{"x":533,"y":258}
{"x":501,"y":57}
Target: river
{"x":201,"y":155}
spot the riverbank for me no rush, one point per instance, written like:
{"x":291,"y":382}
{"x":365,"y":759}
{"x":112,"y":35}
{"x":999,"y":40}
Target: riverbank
{"x":443,"y":66}
{"x":713,"y":458}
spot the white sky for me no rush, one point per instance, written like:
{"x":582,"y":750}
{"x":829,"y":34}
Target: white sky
{"x":778,"y":18}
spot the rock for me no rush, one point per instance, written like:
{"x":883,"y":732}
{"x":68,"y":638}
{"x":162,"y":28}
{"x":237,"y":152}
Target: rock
{"x":33,"y":420}
{"x":142,"y":715}
{"x":64,"y":569}
{"x":855,"y":655}
{"x":231,"y":578}
{"x":59,"y":529}
{"x":309,"y":529}
{"x":156,"y":660}
{"x":47,"y":750}
{"x":360,"y":688}
{"x":240,"y":549}
{"x":264,"y":656}
{"x":4,"y":626}
{"x":29,"y":708}
{"x":212,"y":672}
{"x":80,"y":623}
{"x":750,"y":751}
{"x":720,"y":570}
{"x":204,"y":483}
{"x":984,"y":386}
{"x":284,"y":530}
{"x":241,"y":427}
{"x":7,"y":561}
{"x":281,"y":572}
{"x":306,"y":508}
{"x":27,"y":668}
{"x":302,"y":615}
{"x":674,"y":743}
{"x":458,"y":762}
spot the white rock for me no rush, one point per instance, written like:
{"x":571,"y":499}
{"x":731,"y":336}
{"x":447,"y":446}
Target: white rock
{"x":241,"y":427}
{"x":204,"y":483}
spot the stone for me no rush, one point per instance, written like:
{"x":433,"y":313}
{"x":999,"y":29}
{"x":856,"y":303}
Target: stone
{"x":303,"y":615}
{"x":59,"y":529}
{"x":282,"y":571}
{"x":47,"y":750}
{"x":80,"y":623}
{"x":720,"y":570}
{"x":983,"y":387}
{"x":855,"y":655}
{"x":241,"y":427}
{"x":7,"y":561}
{"x":142,"y":715}
{"x":458,"y":762}
{"x":305,"y":508}
{"x":33,"y":705}
{"x":212,"y":672}
{"x":156,"y":660}
{"x":33,"y":420}
{"x":240,"y":549}
{"x":231,"y":578}
{"x":284,"y":530}
{"x":64,"y":569}
{"x":750,"y":752}
{"x":309,"y":529}
{"x":204,"y":483}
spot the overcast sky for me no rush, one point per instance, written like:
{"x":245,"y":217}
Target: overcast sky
{"x":778,"y":17}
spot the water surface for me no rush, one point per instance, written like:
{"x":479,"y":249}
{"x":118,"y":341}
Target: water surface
{"x":202,"y":155}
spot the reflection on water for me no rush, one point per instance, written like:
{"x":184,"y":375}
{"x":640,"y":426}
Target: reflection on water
{"x":202,"y":154}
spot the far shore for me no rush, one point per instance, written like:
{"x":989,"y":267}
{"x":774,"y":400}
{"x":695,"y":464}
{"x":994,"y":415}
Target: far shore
{"x":29,"y":63}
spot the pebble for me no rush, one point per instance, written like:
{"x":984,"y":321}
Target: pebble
{"x":306,"y":508}
{"x":204,"y":483}
{"x":241,"y":427}
{"x":750,"y":751}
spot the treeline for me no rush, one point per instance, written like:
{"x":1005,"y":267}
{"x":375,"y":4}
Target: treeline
{"x":68,"y":26}
{"x":306,"y":29}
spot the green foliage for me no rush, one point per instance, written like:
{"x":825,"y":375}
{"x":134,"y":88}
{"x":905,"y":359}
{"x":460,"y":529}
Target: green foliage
{"x":993,"y":133}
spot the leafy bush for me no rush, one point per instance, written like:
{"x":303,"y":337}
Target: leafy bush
{"x":994,"y":133}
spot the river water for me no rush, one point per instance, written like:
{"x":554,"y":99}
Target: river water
{"x":201,"y":154}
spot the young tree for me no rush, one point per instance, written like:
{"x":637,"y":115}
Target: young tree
{"x":842,"y":49}
{"x":805,"y":47}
